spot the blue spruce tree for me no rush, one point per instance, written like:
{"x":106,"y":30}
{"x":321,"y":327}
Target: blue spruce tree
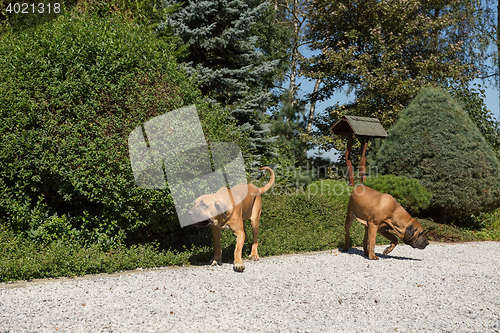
{"x":226,"y":52}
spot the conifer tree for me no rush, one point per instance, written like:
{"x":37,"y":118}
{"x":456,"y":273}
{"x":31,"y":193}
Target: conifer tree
{"x":288,"y":121}
{"x":436,"y":142}
{"x":228,"y":55}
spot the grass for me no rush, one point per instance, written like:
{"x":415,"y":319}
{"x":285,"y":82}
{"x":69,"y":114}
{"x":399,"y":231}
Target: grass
{"x":303,"y":221}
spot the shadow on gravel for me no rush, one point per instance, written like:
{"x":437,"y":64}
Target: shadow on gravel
{"x":207,"y":263}
{"x":380,"y":255}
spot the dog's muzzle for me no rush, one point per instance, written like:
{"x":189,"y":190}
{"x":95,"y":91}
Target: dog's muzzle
{"x":418,"y":243}
{"x":421,"y":243}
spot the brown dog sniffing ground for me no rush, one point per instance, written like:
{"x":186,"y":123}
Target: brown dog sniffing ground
{"x":379,"y":212}
{"x":219,"y":211}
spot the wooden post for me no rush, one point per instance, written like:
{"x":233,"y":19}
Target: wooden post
{"x":348,"y":160}
{"x":362,"y":163}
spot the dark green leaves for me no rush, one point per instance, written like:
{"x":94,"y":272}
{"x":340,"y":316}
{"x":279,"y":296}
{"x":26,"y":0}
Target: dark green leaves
{"x":436,"y":142}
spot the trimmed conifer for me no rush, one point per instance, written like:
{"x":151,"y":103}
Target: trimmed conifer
{"x":436,"y":142}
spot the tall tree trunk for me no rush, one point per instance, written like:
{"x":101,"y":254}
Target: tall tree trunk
{"x":313,"y":106}
{"x":295,"y":51}
{"x":498,"y":56}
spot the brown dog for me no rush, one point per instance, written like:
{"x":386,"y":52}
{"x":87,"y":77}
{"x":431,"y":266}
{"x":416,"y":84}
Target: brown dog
{"x":379,"y":212}
{"x":219,"y":211}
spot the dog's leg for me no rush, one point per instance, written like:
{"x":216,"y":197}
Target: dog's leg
{"x":217,"y":260}
{"x":240,"y":241}
{"x":372,"y":235}
{"x":365,"y":242}
{"x":254,"y":219}
{"x":348,"y":223}
{"x":391,"y":237}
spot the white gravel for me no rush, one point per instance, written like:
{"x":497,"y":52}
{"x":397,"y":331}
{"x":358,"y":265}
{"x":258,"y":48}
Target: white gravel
{"x":444,"y":288}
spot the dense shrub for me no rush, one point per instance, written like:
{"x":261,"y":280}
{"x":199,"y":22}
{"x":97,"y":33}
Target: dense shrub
{"x":71,"y":92}
{"x":24,"y":259}
{"x":490,"y":220}
{"x":435,"y":142}
{"x":407,"y":192}
{"x":305,"y":219}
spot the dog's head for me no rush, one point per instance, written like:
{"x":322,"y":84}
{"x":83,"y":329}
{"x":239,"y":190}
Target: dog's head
{"x":208,"y":210}
{"x":415,"y":235}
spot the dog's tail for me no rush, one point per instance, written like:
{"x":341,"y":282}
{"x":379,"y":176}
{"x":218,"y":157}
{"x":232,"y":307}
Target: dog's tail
{"x":271,"y":181}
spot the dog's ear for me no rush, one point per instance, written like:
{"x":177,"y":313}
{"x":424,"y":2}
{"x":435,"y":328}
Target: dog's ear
{"x":410,"y":230}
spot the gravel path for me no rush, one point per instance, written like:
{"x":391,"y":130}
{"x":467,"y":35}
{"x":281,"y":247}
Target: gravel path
{"x":444,"y":288}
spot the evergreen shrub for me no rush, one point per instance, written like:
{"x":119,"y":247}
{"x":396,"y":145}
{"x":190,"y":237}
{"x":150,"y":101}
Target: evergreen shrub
{"x":72,"y":90}
{"x":436,"y":142}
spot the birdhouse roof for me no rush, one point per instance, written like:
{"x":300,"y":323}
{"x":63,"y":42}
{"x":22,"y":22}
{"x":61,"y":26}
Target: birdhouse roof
{"x":359,"y":127}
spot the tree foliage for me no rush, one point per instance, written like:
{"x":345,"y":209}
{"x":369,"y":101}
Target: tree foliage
{"x":472,"y":99}
{"x":435,"y":142}
{"x":482,"y":36}
{"x":383,"y":50}
{"x":287,"y":123}
{"x":292,"y":14}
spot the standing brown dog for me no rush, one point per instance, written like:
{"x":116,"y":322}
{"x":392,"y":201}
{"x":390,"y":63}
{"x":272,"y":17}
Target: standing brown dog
{"x":379,"y":212}
{"x":219,"y":211}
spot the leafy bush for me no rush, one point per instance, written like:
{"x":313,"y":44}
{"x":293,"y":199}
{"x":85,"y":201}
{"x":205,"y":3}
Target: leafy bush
{"x":72,"y":90}
{"x":490,"y":220}
{"x":407,"y":192}
{"x":22,"y":259}
{"x":435,"y":142}
{"x":307,"y":219}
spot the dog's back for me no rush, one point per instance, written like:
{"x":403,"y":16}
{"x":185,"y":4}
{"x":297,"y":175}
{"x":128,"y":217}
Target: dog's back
{"x":368,"y":203}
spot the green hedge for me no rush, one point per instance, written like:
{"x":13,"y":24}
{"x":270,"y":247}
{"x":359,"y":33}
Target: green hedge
{"x":71,"y":92}
{"x":407,"y":192}
{"x":22,"y":259}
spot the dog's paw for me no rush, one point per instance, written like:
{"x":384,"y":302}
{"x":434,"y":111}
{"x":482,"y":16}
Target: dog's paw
{"x":373,"y":257}
{"x":345,"y":249}
{"x":216,"y":262}
{"x":254,"y":257}
{"x":239,"y":267}
{"x":388,"y":250}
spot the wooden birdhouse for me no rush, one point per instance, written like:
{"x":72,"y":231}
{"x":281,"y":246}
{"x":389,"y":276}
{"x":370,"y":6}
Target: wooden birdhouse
{"x":363,"y":129}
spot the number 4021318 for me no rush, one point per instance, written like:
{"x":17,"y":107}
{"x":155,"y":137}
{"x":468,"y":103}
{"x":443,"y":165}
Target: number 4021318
{"x":33,"y":8}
